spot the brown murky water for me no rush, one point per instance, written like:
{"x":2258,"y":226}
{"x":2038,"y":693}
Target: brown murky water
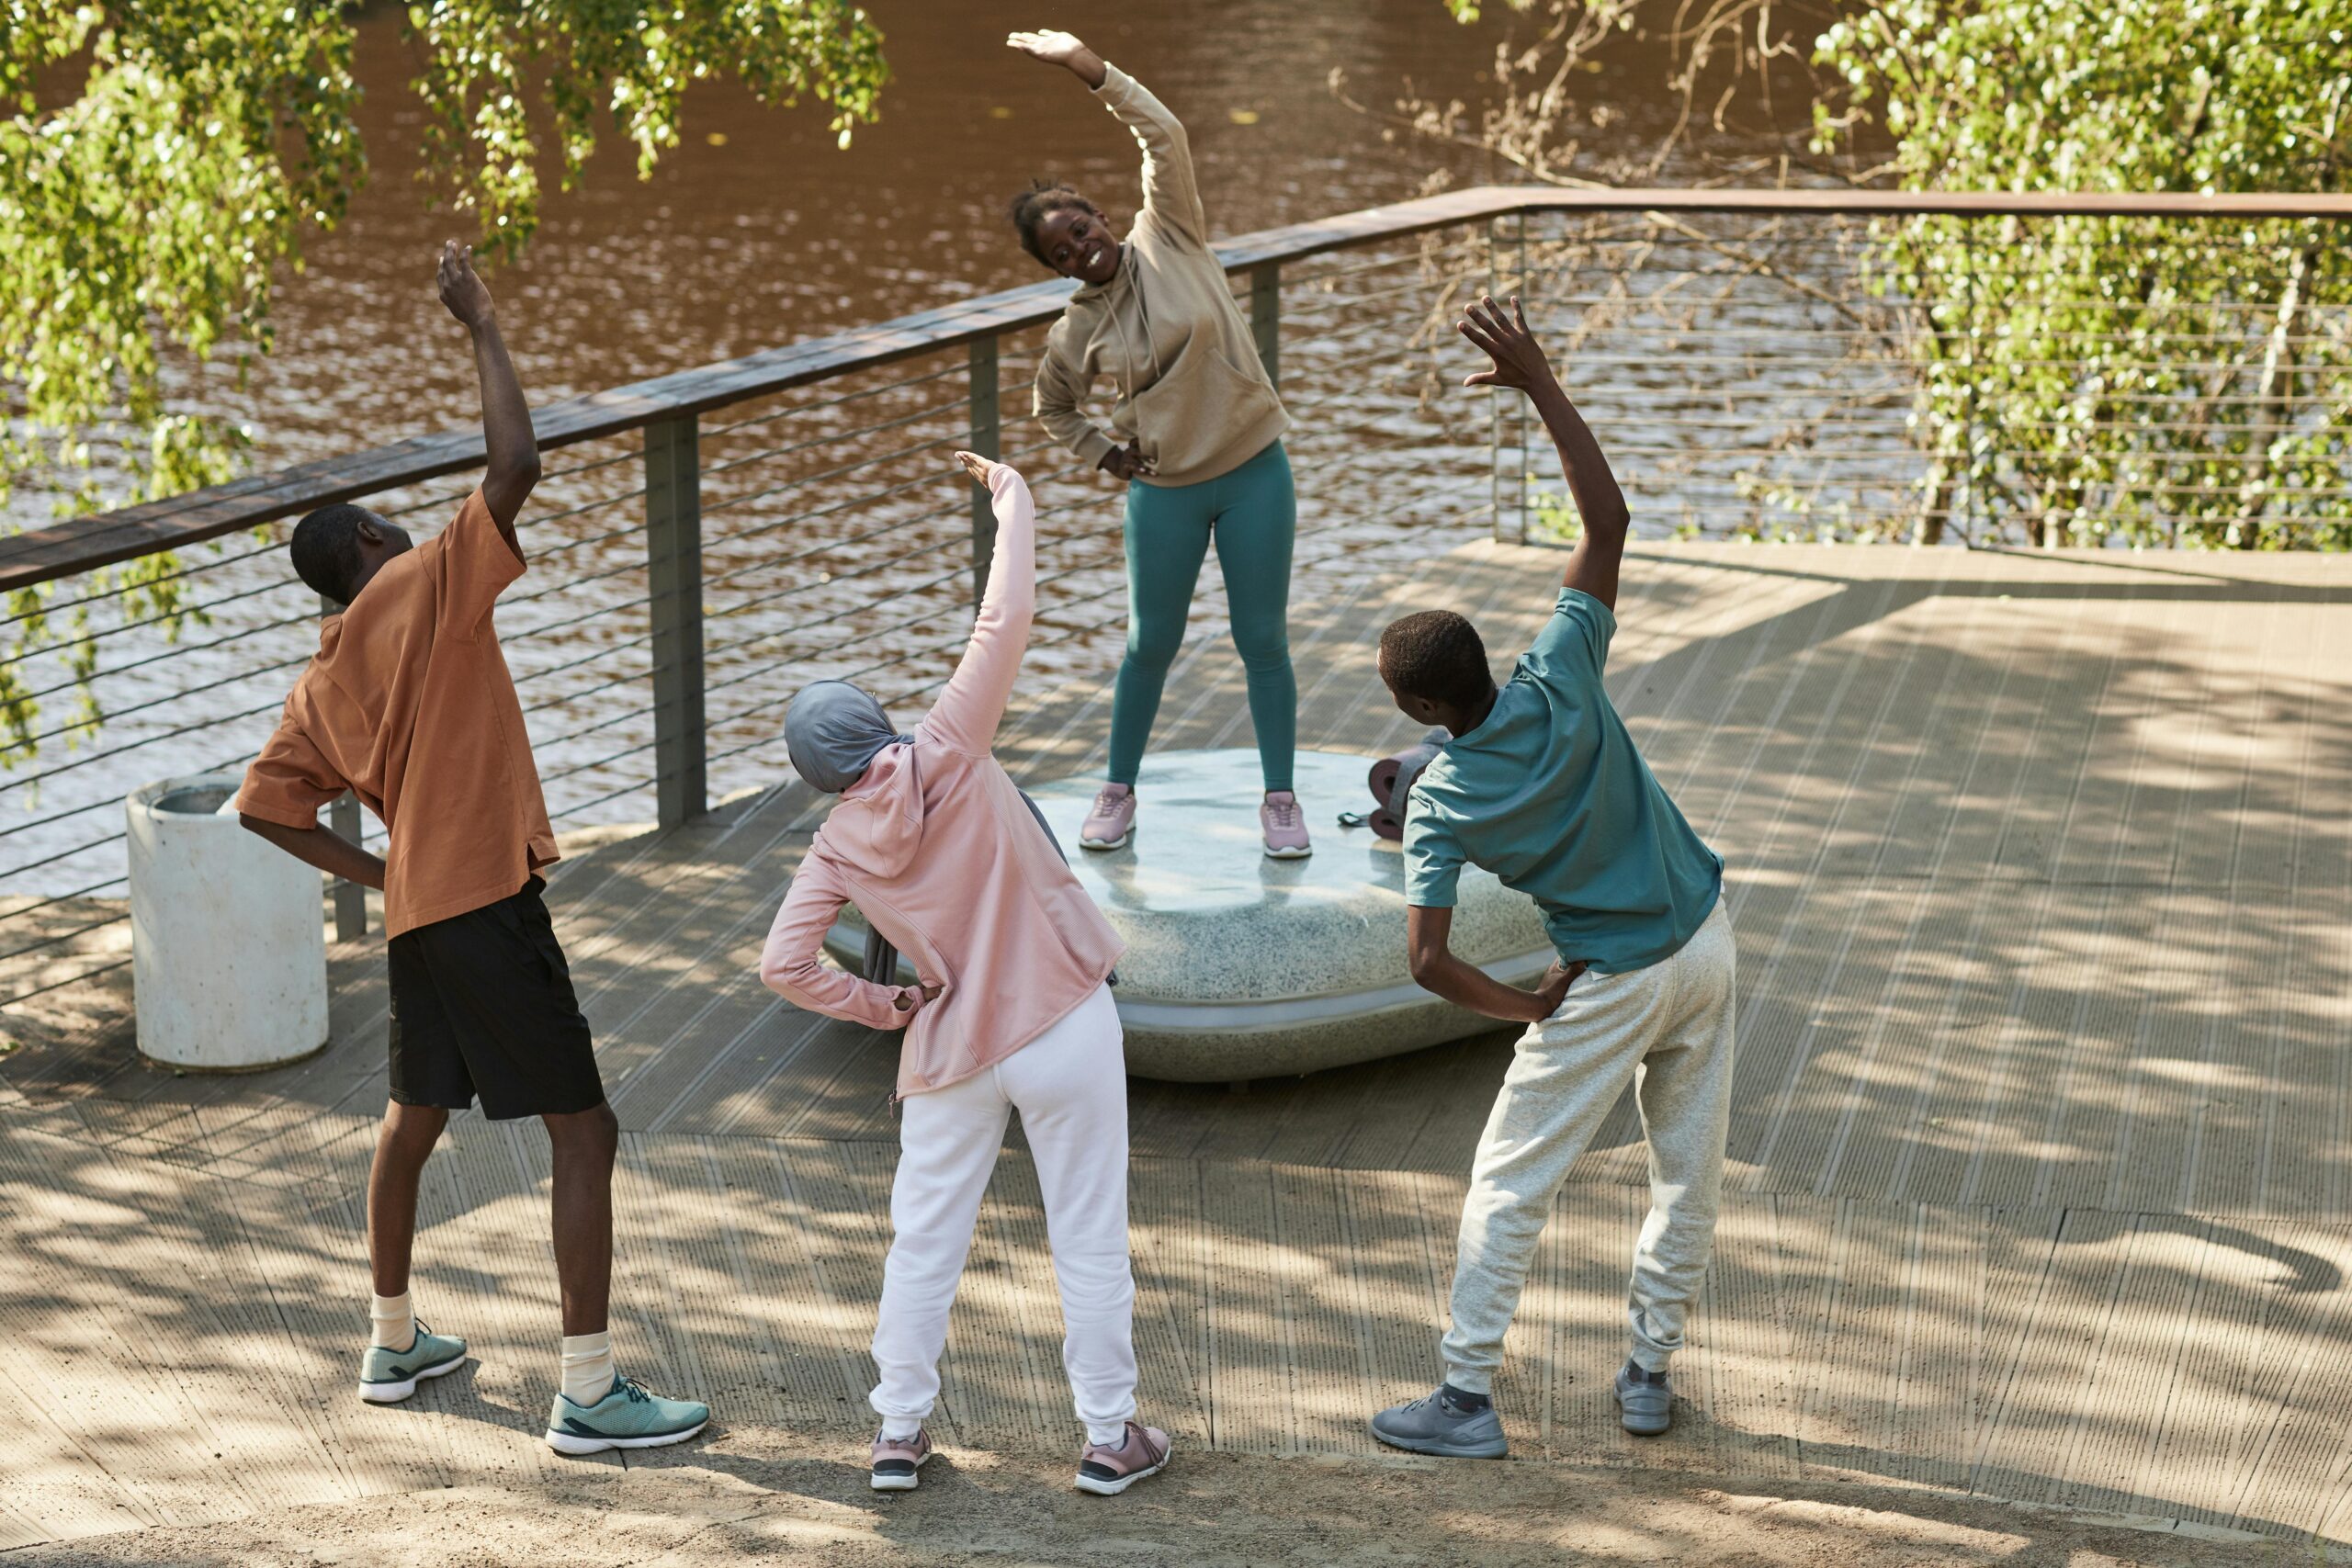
{"x":758,"y":231}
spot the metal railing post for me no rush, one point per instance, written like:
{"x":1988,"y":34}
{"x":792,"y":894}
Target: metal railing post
{"x":1507,"y":411}
{"x":673,"y":578}
{"x":343,"y":820}
{"x":1266,"y":317}
{"x":988,"y":438}
{"x":350,"y":898}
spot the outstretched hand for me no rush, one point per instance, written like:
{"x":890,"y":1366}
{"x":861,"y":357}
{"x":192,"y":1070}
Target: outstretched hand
{"x":978,"y":466}
{"x":462,"y":288}
{"x":1519,"y":358}
{"x":1062,"y":49}
{"x":1053,"y":47}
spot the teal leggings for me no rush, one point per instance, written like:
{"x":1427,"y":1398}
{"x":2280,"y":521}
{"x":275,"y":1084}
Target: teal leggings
{"x":1253,"y":515}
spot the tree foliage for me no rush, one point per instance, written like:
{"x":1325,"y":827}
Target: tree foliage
{"x":161,"y":163}
{"x":2167,"y":381}
{"x":2073,"y":380}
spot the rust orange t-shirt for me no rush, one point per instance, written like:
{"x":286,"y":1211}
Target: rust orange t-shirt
{"x":409,"y":705}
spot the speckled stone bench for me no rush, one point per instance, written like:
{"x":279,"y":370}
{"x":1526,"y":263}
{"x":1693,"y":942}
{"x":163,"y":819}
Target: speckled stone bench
{"x":1241,"y":967}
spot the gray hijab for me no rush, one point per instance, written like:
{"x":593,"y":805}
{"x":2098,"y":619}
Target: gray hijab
{"x":832,"y":730}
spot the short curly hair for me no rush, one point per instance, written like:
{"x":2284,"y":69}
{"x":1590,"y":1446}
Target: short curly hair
{"x":327,"y":549}
{"x":1029,"y":208}
{"x":1436,"y":655}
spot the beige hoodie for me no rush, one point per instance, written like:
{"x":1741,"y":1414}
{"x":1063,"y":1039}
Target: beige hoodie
{"x":1190,"y":391}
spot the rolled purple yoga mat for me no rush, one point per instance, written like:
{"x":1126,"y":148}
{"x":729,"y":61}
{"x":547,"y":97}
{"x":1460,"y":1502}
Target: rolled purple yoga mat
{"x":1391,"y":780}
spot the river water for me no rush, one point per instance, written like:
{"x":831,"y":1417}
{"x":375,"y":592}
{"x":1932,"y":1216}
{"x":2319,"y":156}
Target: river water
{"x":758,"y":231}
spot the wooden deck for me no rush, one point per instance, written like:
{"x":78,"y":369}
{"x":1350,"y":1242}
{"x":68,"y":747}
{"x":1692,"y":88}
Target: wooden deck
{"x":2043,"y":877}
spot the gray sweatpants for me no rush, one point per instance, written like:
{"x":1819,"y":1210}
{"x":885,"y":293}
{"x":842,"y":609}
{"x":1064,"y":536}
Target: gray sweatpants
{"x":1666,"y":1028}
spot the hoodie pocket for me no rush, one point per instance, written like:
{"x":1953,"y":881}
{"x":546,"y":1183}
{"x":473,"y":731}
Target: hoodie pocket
{"x":1185,"y":420}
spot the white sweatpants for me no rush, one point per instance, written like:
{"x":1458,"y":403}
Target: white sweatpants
{"x":1070,"y":1087}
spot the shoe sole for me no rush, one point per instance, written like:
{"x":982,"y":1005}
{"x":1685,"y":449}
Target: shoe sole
{"x":1440,"y":1449}
{"x":907,"y":1483}
{"x":1086,"y":1483}
{"x":1625,"y":1418}
{"x":1103,"y":846}
{"x":1273,"y":853}
{"x":393,"y":1392}
{"x":573,"y":1443}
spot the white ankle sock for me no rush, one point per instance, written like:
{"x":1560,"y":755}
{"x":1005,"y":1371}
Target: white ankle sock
{"x":391,"y":1322}
{"x":587,"y":1367}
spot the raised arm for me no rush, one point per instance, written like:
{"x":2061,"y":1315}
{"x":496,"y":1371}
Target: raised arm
{"x":513,"y":449}
{"x":970,"y":710}
{"x":1170,"y":193}
{"x":1519,"y":363}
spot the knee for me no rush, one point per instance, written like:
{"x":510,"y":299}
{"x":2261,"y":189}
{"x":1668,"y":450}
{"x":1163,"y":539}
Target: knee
{"x":593,"y":1133}
{"x":415,"y":1128}
{"x":1152,"y":645}
{"x":1263,"y":651}
{"x":1095,"y":1284}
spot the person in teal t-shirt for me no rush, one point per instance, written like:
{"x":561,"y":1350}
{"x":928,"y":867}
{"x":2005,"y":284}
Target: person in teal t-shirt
{"x":1542,"y":785}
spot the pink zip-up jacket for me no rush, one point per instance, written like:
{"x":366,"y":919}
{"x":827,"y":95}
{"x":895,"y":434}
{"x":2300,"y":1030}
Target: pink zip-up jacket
{"x":935,"y":848}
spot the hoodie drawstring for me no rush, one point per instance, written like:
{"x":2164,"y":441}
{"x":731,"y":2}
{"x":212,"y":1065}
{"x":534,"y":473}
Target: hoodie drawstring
{"x":1143,"y":311}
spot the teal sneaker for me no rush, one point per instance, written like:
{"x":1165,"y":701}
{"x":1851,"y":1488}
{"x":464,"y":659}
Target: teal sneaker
{"x":628,"y":1416}
{"x":387,"y":1377}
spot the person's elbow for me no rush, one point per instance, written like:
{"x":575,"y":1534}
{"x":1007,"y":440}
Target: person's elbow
{"x":517,"y":473}
{"x":781,"y":975}
{"x":1426,"y":963}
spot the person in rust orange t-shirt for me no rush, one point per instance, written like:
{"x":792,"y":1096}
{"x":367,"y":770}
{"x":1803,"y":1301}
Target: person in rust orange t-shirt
{"x":409,"y":705}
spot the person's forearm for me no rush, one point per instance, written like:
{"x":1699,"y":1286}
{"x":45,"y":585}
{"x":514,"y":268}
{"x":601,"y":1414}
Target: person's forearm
{"x":1087,"y":66}
{"x":330,"y":851}
{"x":1600,"y":503}
{"x":1465,"y":985}
{"x":507,"y":436}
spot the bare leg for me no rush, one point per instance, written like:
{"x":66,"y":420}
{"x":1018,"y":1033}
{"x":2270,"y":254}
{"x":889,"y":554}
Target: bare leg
{"x":402,"y":1149}
{"x":584,"y":1141}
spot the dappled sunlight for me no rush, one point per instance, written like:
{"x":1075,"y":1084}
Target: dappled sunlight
{"x":2036,"y":1186}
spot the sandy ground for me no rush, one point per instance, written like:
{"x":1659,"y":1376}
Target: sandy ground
{"x":760,"y":1496}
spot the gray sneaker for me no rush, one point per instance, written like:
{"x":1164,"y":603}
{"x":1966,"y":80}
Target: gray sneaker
{"x":1645,"y":1400}
{"x":1434,"y":1423}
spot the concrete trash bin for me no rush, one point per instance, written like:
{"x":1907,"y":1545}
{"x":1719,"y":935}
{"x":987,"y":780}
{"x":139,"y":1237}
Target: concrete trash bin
{"x":228,"y":934}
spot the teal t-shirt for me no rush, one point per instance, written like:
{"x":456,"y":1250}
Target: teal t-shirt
{"x":1551,"y":794}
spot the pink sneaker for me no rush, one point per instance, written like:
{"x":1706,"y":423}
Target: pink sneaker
{"x":1285,"y":826}
{"x":1108,"y":1469}
{"x":1112,"y":822}
{"x":896,"y":1460}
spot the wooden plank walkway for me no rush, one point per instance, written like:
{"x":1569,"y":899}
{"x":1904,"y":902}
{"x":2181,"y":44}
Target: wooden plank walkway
{"x":2043,"y":888}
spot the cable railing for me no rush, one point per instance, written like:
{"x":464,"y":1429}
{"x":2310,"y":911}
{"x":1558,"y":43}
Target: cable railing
{"x":1760,"y":365}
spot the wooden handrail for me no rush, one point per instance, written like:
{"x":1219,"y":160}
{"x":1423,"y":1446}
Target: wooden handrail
{"x":44,"y":555}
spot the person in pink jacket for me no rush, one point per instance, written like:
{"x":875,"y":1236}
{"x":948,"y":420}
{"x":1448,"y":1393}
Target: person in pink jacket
{"x":945,"y":857}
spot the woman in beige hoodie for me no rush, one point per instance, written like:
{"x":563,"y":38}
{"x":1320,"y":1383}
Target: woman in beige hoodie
{"x":1195,"y":431}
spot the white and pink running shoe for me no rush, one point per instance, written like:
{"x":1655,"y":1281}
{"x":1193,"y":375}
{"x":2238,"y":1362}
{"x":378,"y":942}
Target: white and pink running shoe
{"x":1108,"y":1469}
{"x":896,"y":1460}
{"x":1112,"y":822}
{"x":1285,"y":826}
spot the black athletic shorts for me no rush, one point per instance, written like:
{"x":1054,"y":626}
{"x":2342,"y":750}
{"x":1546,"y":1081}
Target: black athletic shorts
{"x":482,"y":1005}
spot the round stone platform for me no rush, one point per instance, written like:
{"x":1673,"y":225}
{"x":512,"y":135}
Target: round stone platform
{"x":1240,"y":967}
